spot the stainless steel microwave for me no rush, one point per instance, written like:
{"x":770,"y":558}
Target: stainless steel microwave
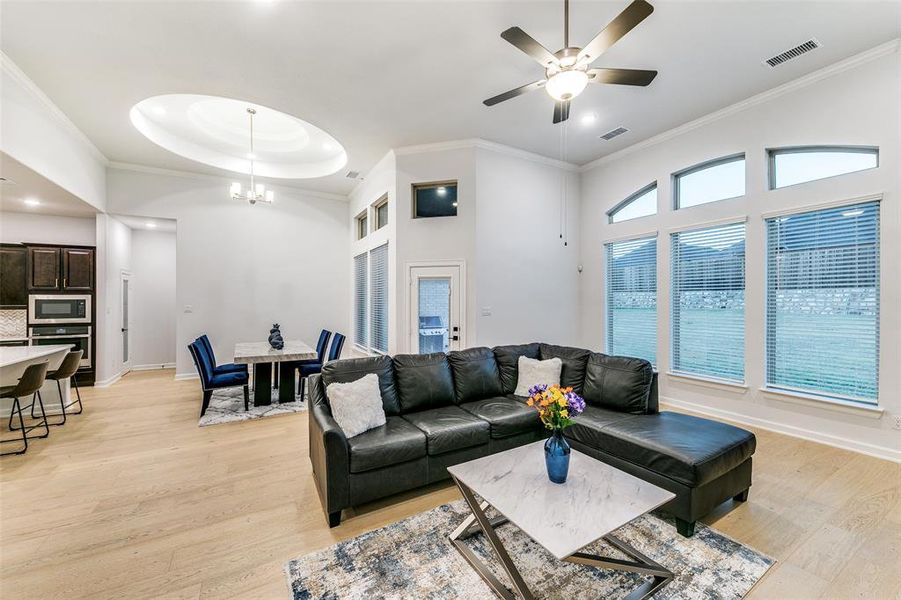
{"x":59,"y":309}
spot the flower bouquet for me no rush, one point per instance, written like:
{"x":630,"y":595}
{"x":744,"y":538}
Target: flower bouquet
{"x":556,"y":408}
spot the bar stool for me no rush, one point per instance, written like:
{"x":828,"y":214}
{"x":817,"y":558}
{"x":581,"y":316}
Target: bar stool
{"x":29,"y":385}
{"x":66,"y":370}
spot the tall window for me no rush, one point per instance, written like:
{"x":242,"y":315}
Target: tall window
{"x":361,"y":296}
{"x":362,"y":225}
{"x":822,"y":327}
{"x":381,"y":214}
{"x":632,"y":298}
{"x":708,"y":302}
{"x":378,"y":318}
{"x":790,"y":166}
{"x":640,"y":204}
{"x":711,"y":181}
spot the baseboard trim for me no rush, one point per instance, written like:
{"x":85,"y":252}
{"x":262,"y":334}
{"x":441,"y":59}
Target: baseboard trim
{"x":798,"y":432}
{"x":111,"y":380}
{"x":153,"y":367}
{"x":185,"y":376}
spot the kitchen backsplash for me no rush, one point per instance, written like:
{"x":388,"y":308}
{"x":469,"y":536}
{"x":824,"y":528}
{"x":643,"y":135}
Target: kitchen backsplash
{"x":13,"y":323}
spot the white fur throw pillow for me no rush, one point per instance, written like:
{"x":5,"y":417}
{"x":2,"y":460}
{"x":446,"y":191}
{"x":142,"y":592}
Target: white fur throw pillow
{"x":535,"y":372}
{"x":357,"y":405}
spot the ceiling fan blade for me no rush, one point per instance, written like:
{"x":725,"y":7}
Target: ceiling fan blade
{"x":514,"y":92}
{"x":634,"y":14}
{"x":530,"y":46}
{"x":621,"y":76}
{"x":561,"y":111}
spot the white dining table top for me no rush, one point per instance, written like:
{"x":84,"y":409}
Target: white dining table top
{"x":262,"y":352}
{"x":11,"y":355}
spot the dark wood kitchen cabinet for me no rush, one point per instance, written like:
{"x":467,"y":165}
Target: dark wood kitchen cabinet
{"x":13,"y":293}
{"x":43,"y":269}
{"x":78,"y":269}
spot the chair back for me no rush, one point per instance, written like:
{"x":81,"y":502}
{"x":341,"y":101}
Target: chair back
{"x":69,"y":366}
{"x":201,"y":362}
{"x":322,"y":344}
{"x":205,"y":342}
{"x":31,"y":381}
{"x":337,"y":346}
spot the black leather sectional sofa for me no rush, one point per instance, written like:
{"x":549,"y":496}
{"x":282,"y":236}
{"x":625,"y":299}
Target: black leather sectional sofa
{"x":444,"y":409}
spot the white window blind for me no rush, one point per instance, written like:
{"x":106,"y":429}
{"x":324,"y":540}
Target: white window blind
{"x":823,"y":302}
{"x":378,"y":264}
{"x":708,"y":302}
{"x":632,"y":298}
{"x":361,"y":295}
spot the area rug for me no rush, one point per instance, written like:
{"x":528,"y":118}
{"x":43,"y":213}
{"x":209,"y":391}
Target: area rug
{"x":413,"y":558}
{"x":227,"y":406}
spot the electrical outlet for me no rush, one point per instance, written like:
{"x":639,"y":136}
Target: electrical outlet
{"x":896,"y":424}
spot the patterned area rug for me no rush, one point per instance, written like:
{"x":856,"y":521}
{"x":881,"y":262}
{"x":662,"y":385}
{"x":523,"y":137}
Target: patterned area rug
{"x":414,"y":559}
{"x":227,"y":406}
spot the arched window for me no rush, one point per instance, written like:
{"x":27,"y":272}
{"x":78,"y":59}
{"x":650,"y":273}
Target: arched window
{"x":718,"y":179}
{"x":800,"y":164}
{"x":640,"y":204}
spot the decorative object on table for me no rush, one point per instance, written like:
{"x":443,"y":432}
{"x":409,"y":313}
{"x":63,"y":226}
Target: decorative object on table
{"x":387,"y":563}
{"x":227,"y":406}
{"x":556,"y":406}
{"x":275,"y":337}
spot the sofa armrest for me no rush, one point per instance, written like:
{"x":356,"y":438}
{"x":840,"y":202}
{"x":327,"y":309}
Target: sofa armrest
{"x":329,"y":452}
{"x":653,"y":401}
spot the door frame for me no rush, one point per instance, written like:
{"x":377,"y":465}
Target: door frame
{"x":408,"y":311}
{"x":125,"y":275}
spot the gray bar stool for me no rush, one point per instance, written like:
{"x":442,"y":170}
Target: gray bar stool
{"x":29,"y":385}
{"x":66,"y":370}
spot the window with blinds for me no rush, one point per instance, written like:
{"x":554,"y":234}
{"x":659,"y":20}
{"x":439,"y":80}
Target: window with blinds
{"x":632,"y":298}
{"x":822,"y":326}
{"x":378,"y":318}
{"x":361,"y":295}
{"x":708,"y":302}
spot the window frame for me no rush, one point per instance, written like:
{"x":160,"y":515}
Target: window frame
{"x":428,"y":185}
{"x":708,"y":164}
{"x":371,"y":327}
{"x":772,"y":153}
{"x":653,"y":237}
{"x":362,"y":223}
{"x":376,"y":207}
{"x":363,"y":325}
{"x":629,"y":200}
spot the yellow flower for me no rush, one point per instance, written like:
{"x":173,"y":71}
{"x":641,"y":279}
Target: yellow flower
{"x":564,"y":413}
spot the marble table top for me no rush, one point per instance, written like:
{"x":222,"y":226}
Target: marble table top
{"x":12,"y":355}
{"x":262,"y":352}
{"x":563,"y":518}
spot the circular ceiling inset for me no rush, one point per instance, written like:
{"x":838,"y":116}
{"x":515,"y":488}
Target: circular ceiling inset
{"x":216,"y":131}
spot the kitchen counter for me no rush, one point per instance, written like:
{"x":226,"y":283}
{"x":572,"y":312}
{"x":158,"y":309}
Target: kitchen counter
{"x":29,"y":354}
{"x":15,"y":359}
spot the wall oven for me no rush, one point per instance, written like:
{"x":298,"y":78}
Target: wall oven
{"x":57,"y":308}
{"x":78,"y":336}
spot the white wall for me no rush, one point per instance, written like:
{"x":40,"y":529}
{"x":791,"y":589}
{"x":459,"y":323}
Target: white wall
{"x":16,"y":227}
{"x":40,"y":136}
{"x":152,"y":307}
{"x":241,"y":268}
{"x":856,"y":106}
{"x":114,"y":254}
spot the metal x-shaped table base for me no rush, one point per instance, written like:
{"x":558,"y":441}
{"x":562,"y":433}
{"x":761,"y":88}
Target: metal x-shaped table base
{"x":478,"y":522}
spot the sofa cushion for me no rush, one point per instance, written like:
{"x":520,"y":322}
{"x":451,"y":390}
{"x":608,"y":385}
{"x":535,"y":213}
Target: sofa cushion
{"x":356,"y":405}
{"x":508,"y":362}
{"x":505,"y":416}
{"x":574,"y":360}
{"x":394,"y":442}
{"x":618,"y":383}
{"x":351,"y":369}
{"x":687,"y":449}
{"x":449,"y":428}
{"x":424,"y":381}
{"x":475,"y":374}
{"x":588,"y":426}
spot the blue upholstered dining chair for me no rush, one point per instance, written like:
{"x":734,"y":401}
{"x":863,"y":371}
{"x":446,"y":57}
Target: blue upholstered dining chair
{"x":210,"y":380}
{"x":311,"y":368}
{"x":224,"y":367}
{"x":321,"y":347}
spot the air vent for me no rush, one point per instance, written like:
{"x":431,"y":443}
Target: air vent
{"x":793,"y":53}
{"x":614,"y":133}
{"x":352,"y":174}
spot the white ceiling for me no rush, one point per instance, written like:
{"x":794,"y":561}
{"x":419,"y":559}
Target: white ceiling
{"x":26,"y":184}
{"x":148,"y":224}
{"x":379,"y":75}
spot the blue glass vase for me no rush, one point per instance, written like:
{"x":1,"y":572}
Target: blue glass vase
{"x":556,"y":456}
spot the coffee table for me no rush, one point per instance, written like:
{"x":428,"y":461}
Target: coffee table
{"x":563,"y":518}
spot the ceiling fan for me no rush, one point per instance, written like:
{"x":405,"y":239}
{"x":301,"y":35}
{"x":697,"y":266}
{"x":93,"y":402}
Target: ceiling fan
{"x":567,"y":71}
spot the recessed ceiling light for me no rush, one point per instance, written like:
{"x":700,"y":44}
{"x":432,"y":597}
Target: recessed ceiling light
{"x":589,"y":118}
{"x":32,"y":202}
{"x":150,"y":224}
{"x":159,"y":111}
{"x":441,"y":190}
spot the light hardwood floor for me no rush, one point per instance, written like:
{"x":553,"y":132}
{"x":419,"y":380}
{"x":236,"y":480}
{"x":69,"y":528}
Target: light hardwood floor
{"x":132,"y":500}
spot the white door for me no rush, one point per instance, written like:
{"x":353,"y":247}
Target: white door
{"x":126,"y":320}
{"x":435,"y":323}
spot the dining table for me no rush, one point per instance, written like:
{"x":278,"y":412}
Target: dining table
{"x":262,"y":356}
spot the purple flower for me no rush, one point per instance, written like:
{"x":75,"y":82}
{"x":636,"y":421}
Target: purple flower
{"x":538,"y":389}
{"x":575,"y":403}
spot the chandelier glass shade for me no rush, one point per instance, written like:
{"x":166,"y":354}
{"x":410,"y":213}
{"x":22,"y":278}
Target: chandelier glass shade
{"x":256,"y":192}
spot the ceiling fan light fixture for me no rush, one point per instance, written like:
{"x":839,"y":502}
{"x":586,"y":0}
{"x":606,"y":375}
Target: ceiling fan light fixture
{"x":566,"y":85}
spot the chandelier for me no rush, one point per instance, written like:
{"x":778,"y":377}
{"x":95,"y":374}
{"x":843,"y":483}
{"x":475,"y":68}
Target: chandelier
{"x":257,"y":192}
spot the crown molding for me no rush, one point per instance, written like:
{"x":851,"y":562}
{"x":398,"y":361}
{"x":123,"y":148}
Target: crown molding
{"x":12,"y":69}
{"x":490,"y":146}
{"x":124,"y":166}
{"x":802,"y":82}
